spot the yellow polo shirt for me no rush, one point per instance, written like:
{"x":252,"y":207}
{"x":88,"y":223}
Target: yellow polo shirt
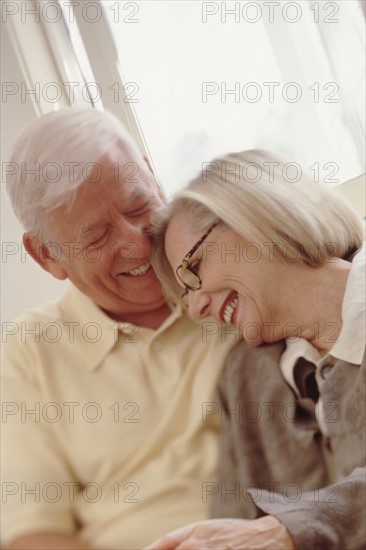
{"x":108,"y":429}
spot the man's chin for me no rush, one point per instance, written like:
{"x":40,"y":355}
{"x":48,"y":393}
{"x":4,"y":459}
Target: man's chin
{"x":139,"y":301}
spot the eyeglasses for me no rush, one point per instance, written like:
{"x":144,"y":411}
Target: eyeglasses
{"x":185,"y":272}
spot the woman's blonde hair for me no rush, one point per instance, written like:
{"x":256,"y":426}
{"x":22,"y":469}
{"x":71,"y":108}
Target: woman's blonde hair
{"x":264,"y":200}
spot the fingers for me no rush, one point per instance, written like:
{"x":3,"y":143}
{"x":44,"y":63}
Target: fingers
{"x":172,"y":540}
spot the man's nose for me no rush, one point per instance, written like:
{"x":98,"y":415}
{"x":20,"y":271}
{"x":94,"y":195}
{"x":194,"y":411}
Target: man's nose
{"x":199,"y":304}
{"x":134,"y":239}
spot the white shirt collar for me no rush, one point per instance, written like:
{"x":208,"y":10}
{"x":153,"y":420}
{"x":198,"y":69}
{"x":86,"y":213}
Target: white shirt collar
{"x":351,"y":343}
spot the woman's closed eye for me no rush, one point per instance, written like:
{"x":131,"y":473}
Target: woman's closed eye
{"x":196,"y":265}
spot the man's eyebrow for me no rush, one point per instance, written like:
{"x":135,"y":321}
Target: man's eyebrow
{"x":136,"y":195}
{"x":90,"y":228}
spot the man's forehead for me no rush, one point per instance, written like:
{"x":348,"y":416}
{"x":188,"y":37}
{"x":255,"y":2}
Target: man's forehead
{"x":123,"y":150}
{"x":125,"y":198}
{"x":93,"y":203}
{"x":120,"y":163}
{"x":116,"y":177}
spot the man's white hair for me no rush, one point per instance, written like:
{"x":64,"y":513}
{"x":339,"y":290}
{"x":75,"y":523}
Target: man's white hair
{"x":55,"y":155}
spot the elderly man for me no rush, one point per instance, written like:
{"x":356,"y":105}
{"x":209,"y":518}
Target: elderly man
{"x":105,"y":442}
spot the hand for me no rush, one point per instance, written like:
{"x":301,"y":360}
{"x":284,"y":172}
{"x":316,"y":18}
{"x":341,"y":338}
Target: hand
{"x":265,"y":533}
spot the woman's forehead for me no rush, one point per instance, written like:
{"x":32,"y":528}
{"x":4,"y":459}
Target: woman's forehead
{"x":179,"y":238}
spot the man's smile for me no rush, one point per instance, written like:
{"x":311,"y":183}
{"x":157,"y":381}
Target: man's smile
{"x":138,"y":271}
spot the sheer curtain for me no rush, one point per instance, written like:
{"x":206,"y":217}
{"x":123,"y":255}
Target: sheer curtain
{"x":210,"y":77}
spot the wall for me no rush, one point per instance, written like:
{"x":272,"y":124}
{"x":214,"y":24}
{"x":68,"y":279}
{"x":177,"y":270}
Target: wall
{"x":24,"y":283}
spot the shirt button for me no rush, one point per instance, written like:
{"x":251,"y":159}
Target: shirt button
{"x":325,"y":370}
{"x":127,"y":328}
{"x":158,"y":346}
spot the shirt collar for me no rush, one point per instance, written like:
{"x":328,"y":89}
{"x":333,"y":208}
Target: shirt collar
{"x":350,"y":346}
{"x":94,"y":333}
{"x":294,"y":350}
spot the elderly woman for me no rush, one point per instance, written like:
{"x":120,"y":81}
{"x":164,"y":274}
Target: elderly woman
{"x":258,"y":246}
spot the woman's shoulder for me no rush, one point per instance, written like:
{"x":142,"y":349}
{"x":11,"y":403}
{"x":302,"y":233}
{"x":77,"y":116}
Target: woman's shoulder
{"x":245,"y":353}
{"x":253,"y":371}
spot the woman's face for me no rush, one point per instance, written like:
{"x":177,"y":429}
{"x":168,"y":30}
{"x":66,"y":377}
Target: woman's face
{"x":241,"y":284}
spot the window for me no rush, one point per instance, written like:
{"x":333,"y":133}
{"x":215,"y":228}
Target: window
{"x":209,"y":77}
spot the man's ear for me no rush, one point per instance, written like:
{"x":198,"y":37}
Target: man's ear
{"x":48,"y":259}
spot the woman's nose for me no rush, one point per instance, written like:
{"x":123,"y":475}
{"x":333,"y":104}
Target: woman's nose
{"x":199,"y":304}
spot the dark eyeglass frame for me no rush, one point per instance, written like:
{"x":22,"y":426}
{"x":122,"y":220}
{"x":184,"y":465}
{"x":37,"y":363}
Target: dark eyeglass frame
{"x":186,"y":267}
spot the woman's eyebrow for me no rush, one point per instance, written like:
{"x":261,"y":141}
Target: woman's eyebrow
{"x":198,"y":254}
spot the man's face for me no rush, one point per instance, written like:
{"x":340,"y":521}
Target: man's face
{"x":105,"y":250}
